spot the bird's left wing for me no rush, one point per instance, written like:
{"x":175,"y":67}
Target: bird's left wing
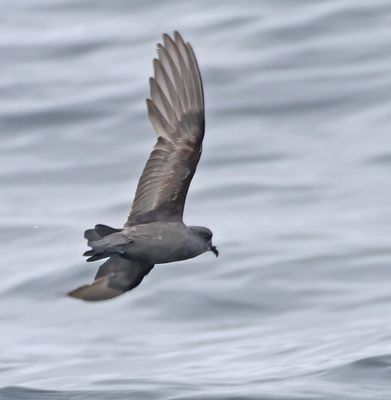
{"x":176,"y":111}
{"x":115,"y":276}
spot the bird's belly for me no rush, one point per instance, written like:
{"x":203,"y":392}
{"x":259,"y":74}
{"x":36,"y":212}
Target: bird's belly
{"x":162,"y":251}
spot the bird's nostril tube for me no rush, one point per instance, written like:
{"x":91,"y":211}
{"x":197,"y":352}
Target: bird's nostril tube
{"x":214,"y":250}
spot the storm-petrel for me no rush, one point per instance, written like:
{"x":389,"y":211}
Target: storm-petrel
{"x":154,"y":232}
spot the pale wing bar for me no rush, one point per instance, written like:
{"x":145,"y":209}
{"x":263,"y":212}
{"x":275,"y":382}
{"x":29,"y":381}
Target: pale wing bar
{"x":176,"y":111}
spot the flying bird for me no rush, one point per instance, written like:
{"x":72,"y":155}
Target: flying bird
{"x":154,"y":232}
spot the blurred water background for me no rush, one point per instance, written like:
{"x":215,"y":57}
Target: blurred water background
{"x":294,"y":182}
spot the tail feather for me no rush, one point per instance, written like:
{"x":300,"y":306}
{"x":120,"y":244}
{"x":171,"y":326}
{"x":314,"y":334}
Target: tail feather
{"x":99,"y":232}
{"x":99,"y":256}
{"x":93,"y":255}
{"x":94,"y":235}
{"x":104,"y":230}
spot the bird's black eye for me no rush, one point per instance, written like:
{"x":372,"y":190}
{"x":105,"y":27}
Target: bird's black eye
{"x":207,"y":234}
{"x":203,"y":233}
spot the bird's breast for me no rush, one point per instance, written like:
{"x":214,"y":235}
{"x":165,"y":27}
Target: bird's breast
{"x":164,"y":243}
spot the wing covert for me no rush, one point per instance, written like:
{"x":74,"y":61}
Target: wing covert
{"x":176,"y":111}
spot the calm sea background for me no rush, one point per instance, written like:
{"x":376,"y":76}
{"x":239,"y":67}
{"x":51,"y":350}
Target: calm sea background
{"x":295,"y":182}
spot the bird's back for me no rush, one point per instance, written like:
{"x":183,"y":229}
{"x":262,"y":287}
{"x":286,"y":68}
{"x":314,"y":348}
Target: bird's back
{"x":163,"y":242}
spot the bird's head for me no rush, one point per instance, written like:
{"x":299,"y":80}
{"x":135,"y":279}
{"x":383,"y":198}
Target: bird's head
{"x":205,"y":235}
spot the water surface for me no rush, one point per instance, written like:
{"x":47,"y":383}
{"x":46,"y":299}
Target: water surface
{"x":294,"y":182}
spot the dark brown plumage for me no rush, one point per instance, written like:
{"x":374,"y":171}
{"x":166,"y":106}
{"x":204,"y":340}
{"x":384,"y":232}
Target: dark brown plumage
{"x":176,"y":110}
{"x":154,"y":231}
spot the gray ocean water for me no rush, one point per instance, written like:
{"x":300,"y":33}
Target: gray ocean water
{"x":294,"y":182}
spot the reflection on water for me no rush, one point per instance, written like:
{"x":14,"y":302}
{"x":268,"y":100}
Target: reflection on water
{"x":294,"y":182}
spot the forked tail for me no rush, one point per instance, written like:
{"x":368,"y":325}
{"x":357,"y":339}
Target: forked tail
{"x":93,"y":237}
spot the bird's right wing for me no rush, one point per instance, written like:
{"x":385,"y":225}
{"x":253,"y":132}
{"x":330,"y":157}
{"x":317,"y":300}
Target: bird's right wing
{"x":115,"y":276}
{"x":176,"y":111}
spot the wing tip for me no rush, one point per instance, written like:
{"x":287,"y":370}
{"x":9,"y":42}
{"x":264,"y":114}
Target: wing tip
{"x":166,"y":36}
{"x":96,"y":291}
{"x":177,"y":34}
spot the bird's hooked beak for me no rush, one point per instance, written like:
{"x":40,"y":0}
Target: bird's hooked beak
{"x":214,"y":250}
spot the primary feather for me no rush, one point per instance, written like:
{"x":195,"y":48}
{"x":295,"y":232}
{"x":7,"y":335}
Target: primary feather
{"x":176,"y":111}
